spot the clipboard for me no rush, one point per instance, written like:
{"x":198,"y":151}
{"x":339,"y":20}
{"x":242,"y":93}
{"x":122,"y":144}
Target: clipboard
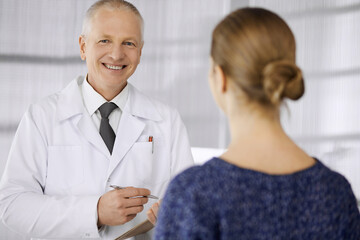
{"x":141,"y":228}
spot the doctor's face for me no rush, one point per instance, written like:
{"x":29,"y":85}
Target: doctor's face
{"x":112,"y":49}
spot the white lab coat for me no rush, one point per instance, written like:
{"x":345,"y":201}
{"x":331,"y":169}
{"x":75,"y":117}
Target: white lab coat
{"x":59,"y":166}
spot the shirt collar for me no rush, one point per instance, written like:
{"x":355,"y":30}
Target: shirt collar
{"x":93,"y":100}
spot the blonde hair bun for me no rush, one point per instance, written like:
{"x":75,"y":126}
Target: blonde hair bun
{"x":282,"y":79}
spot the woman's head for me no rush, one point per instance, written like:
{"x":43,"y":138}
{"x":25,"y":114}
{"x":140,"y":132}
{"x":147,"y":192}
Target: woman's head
{"x":255,"y":49}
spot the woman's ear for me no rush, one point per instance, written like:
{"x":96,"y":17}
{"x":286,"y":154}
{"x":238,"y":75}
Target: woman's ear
{"x":220,"y":78}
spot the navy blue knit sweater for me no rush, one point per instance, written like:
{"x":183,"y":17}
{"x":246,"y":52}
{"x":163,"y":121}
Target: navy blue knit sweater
{"x":219,"y":200}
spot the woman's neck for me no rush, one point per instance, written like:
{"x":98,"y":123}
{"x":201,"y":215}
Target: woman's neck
{"x":259,"y":142}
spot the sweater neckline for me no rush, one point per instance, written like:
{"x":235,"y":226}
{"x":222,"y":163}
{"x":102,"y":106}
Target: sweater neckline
{"x":306,"y":171}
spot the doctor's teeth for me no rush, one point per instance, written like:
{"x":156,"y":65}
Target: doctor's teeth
{"x":114,"y":67}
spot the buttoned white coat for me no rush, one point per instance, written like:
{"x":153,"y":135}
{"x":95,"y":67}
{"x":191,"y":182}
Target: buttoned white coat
{"x":59,"y":166}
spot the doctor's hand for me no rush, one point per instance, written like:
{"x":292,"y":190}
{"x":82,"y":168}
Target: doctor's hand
{"x":153,"y":212}
{"x":120,"y":206}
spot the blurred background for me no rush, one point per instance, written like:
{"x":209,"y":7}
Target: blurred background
{"x":39,"y":55}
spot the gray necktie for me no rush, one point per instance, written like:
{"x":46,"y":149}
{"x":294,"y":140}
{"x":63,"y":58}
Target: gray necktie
{"x":106,"y":132}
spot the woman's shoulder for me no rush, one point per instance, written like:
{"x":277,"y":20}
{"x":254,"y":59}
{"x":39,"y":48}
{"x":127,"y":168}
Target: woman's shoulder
{"x":196,"y":176}
{"x":329,"y":176}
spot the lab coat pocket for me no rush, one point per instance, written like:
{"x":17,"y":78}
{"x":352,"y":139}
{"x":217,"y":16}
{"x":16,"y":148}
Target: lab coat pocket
{"x":140,"y":162}
{"x":65,"y":166}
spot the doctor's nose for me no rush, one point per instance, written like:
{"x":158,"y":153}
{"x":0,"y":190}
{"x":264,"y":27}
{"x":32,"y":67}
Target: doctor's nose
{"x":117,"y":52}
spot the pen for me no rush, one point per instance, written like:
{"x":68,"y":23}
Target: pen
{"x":148,"y":196}
{"x":152,"y":143}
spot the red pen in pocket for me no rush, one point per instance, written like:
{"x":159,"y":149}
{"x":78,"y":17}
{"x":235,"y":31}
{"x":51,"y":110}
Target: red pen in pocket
{"x":152,"y":143}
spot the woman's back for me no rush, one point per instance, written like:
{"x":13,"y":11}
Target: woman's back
{"x":222,"y":201}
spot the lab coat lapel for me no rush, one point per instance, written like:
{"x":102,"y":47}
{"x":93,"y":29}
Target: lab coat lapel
{"x":138,"y":109}
{"x":89,"y":131}
{"x":70,"y":105}
{"x":129,"y":130}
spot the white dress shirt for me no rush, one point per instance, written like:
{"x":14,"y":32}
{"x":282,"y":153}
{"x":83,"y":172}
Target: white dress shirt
{"x":93,"y":100}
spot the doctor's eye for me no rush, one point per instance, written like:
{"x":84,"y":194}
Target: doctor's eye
{"x":131,"y":44}
{"x":104,"y":41}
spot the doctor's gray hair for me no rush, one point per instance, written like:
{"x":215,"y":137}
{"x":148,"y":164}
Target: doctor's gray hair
{"x":111,"y":5}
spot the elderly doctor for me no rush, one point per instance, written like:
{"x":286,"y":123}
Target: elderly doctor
{"x":69,"y":148}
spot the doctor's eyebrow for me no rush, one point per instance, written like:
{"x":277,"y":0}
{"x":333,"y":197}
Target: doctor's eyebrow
{"x":125,"y":39}
{"x":105,"y":36}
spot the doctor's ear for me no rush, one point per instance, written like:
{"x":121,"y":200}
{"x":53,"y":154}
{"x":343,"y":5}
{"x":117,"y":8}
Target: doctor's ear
{"x":140,"y":49}
{"x":82,"y":47}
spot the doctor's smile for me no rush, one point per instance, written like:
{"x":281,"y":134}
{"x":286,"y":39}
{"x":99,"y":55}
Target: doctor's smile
{"x":114,"y":67}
